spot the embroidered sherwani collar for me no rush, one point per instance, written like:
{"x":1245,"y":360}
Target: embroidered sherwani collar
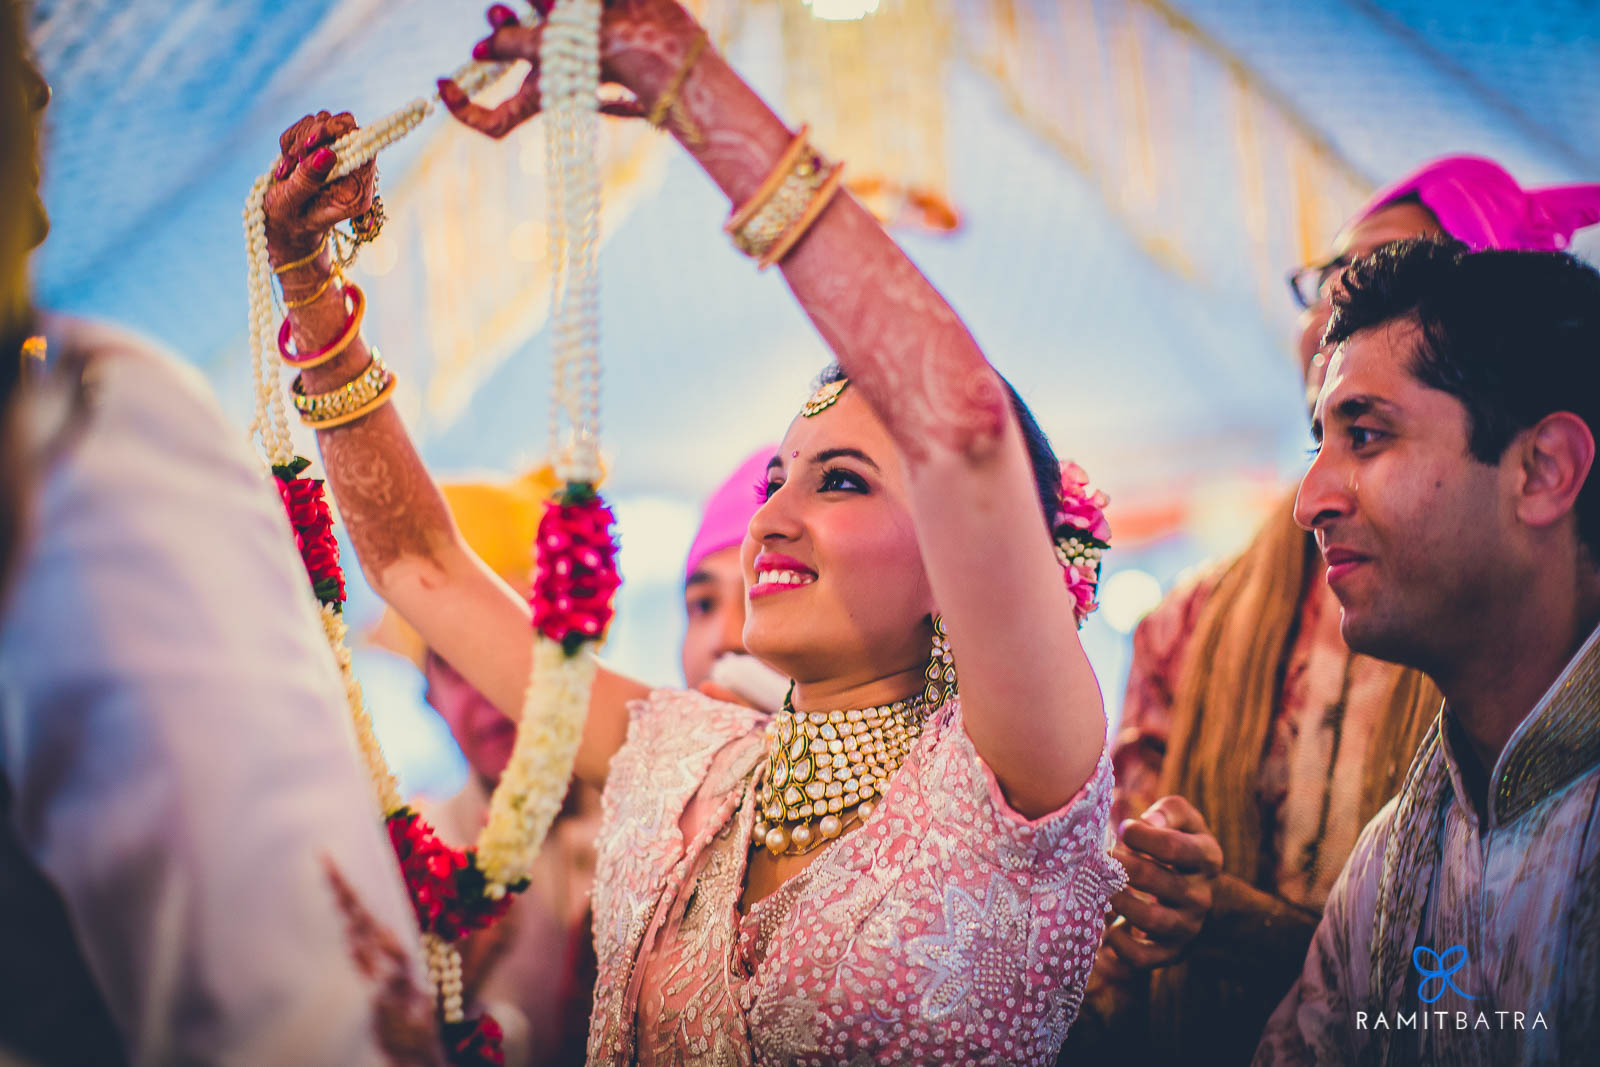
{"x":1558,"y":741}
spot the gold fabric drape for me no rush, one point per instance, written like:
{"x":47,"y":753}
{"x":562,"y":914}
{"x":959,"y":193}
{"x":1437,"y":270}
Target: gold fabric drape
{"x":1143,"y":101}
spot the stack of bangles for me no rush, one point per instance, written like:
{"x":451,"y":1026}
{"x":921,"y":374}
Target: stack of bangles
{"x":362,"y":395}
{"x":768,"y":225}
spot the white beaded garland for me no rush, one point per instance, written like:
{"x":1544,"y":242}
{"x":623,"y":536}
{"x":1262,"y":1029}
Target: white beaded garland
{"x":569,"y":85}
{"x":444,"y":971}
{"x":569,"y":80}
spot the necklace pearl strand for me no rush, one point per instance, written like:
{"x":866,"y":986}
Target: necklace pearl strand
{"x":569,"y":84}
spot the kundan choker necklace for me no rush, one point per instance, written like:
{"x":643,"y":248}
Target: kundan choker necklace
{"x":827,"y":769}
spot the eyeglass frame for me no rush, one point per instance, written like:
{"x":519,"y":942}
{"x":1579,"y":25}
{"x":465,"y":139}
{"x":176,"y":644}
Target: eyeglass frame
{"x":1325,"y":272}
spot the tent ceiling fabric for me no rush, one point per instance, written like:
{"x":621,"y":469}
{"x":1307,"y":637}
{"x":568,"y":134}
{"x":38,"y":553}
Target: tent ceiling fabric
{"x":1148,"y":373}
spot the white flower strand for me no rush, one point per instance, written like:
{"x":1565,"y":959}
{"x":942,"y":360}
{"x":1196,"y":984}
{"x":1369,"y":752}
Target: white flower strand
{"x":557,"y":698}
{"x":528,"y":799}
{"x":525,"y":805}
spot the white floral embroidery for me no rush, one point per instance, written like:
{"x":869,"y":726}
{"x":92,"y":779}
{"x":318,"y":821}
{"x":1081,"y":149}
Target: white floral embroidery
{"x":980,"y":955}
{"x":946,"y":928}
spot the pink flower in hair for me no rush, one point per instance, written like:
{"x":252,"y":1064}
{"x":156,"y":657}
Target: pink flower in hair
{"x":1082,"y":535}
{"x":1082,"y":508}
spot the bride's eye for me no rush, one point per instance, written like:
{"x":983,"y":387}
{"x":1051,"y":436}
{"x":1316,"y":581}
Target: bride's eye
{"x":840,"y":480}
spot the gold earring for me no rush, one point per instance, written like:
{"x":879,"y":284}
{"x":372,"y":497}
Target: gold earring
{"x":941,"y":673}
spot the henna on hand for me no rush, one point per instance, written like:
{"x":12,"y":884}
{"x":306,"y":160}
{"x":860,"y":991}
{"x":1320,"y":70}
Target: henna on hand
{"x":301,"y":205}
{"x":386,"y":498}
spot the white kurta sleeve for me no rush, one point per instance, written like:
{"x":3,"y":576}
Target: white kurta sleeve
{"x":173,"y":729}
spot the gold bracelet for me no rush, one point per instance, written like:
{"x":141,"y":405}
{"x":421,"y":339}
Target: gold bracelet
{"x":384,"y":396}
{"x":798,"y":190}
{"x":303,"y":260}
{"x":798,"y":228}
{"x":350,"y":400}
{"x":774,"y":180}
{"x":290,"y":305}
{"x":669,"y":96}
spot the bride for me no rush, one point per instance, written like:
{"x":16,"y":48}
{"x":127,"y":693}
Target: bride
{"x":891,"y":869}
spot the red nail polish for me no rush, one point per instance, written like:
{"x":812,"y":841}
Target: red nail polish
{"x":323,"y":160}
{"x":310,"y":142}
{"x":543,"y":7}
{"x":480,"y":50}
{"x":500,"y":16}
{"x":285,"y":167}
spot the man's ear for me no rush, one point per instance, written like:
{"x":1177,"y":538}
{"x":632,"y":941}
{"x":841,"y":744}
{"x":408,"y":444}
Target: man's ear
{"x":1556,"y":456}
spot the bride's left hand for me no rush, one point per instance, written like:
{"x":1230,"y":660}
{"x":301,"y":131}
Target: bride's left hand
{"x":301,"y":204}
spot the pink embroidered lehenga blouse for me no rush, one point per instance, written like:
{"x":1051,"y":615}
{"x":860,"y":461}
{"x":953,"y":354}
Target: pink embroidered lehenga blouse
{"x":947,"y":929}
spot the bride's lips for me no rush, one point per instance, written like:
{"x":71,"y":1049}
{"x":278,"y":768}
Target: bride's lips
{"x":779,"y":574}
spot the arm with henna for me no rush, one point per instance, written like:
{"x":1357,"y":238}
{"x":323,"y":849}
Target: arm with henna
{"x":409,"y":547}
{"x":988,"y":553}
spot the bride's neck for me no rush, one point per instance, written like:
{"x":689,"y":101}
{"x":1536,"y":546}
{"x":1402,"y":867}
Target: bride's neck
{"x":830,"y":694}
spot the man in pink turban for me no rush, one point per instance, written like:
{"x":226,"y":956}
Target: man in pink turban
{"x":713,"y":592}
{"x":1469,"y":198}
{"x":1479,"y":204}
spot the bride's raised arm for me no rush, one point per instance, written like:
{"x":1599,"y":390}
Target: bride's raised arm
{"x":1032,"y":705}
{"x":408,"y":545}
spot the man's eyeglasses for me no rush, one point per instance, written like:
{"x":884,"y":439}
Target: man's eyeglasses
{"x":1308,"y":284}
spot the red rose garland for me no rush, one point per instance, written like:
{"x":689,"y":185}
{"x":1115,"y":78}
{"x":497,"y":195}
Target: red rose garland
{"x":475,"y":1042}
{"x":445,"y":884}
{"x":577,"y":572}
{"x":306,"y":502}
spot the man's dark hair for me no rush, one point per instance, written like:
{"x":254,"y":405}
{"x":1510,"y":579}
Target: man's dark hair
{"x":1514,"y":336}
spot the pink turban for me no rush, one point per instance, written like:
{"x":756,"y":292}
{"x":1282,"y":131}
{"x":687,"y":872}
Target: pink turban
{"x":1482,"y":206}
{"x":730,"y":508}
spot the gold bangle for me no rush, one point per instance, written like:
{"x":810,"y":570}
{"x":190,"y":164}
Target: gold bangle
{"x":290,"y":305}
{"x":382,"y":396}
{"x":352,"y":330}
{"x":798,"y":228}
{"x":774,"y":181}
{"x":799,"y":188}
{"x":341,"y":399}
{"x":303,"y":260}
{"x":669,"y":96}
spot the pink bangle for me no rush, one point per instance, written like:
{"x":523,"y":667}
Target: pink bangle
{"x":352,"y":327}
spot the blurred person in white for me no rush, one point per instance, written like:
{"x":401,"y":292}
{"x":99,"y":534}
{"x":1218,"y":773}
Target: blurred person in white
{"x":192,"y":865}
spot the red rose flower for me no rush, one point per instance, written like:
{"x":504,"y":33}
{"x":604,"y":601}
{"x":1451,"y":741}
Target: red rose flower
{"x":305,"y":501}
{"x":475,"y":1042}
{"x":576,"y":575}
{"x":446,"y":887}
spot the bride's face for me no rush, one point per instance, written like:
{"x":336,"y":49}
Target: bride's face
{"x":834,"y":578}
